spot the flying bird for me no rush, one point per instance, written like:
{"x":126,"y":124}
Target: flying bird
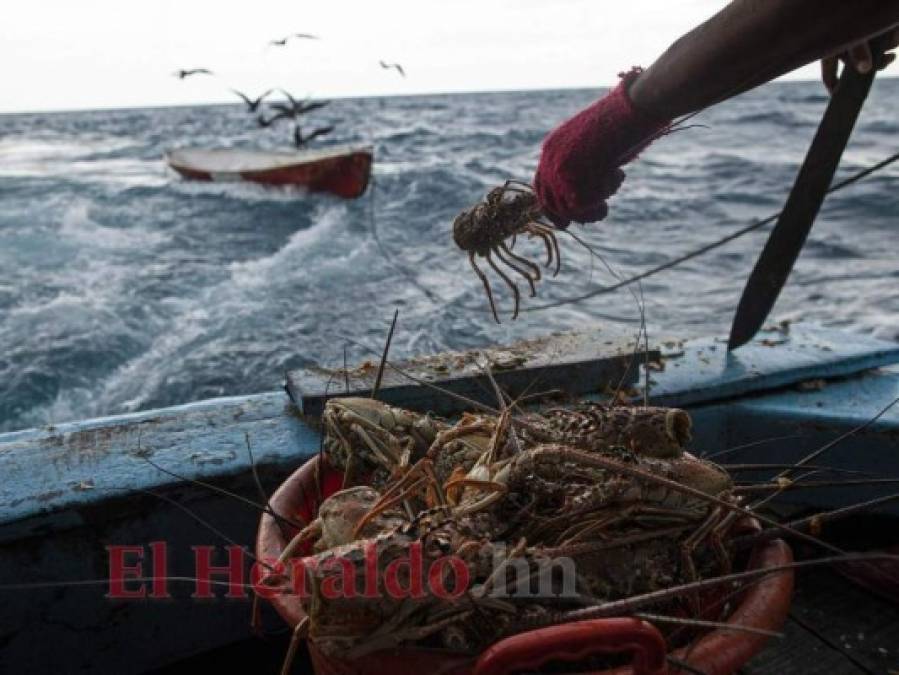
{"x":295,"y":108}
{"x":309,"y":107}
{"x":267,"y":122}
{"x":289,"y":107}
{"x":397,"y":67}
{"x":300,"y":140}
{"x":301,"y":36}
{"x":252,"y":104}
{"x":181,"y":74}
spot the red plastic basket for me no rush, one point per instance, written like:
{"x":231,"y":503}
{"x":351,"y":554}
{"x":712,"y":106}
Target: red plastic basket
{"x":719,"y":652}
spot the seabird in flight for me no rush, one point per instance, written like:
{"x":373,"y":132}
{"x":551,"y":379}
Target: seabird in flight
{"x":301,"y":36}
{"x":264,"y":123}
{"x":295,"y":107}
{"x":252,"y":104}
{"x":300,"y":141}
{"x":305,"y":107}
{"x":397,"y":67}
{"x":181,"y":74}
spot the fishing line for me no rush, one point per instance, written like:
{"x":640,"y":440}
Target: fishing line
{"x":386,"y":254}
{"x":702,"y":249}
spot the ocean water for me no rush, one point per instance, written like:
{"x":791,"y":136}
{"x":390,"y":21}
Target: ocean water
{"x":123,"y":287}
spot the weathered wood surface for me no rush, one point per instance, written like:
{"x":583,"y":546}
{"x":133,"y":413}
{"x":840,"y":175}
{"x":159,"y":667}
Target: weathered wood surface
{"x":574,"y":364}
{"x":701,"y":371}
{"x":835,"y":627}
{"x":79,"y":464}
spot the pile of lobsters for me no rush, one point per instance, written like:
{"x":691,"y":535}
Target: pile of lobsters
{"x":457,"y":535}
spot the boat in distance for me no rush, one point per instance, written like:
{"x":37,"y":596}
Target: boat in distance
{"x":341,"y":170}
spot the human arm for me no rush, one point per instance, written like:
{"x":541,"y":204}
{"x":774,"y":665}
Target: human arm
{"x":750,"y":42}
{"x":747,"y":43}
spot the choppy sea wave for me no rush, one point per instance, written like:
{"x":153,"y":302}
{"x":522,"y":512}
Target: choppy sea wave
{"x":123,"y":287}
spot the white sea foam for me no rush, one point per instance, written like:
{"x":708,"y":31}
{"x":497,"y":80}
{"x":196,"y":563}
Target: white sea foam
{"x":78,"y":226}
{"x":325,"y":249}
{"x":239,"y":190}
{"x":36,"y":156}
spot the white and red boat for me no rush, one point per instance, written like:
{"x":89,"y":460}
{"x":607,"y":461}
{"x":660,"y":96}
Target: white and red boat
{"x":341,"y":170}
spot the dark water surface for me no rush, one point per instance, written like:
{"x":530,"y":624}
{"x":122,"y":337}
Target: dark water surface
{"x":123,"y":287}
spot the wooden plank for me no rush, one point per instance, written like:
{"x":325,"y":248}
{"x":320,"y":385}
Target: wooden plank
{"x":700,"y":371}
{"x":860,"y":624}
{"x":835,"y":627}
{"x":573,"y":364}
{"x":48,"y":472}
{"x":799,"y":652}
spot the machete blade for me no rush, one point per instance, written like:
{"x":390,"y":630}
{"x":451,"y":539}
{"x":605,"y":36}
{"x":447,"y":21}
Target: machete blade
{"x":789,"y":234}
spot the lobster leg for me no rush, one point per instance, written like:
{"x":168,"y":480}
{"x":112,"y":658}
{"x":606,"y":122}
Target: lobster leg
{"x":522,"y":272}
{"x":495,"y":492}
{"x":380,"y":452}
{"x":509,"y":283}
{"x":385,"y":504}
{"x":532,"y":229}
{"x":577,"y":532}
{"x":521,"y":185}
{"x":688,"y":547}
{"x":314,"y":529}
{"x":486,"y":283}
{"x":421,"y":474}
{"x":535,"y":270}
{"x":299,"y":633}
{"x":435,"y":489}
{"x":547,"y":232}
{"x":451,"y":434}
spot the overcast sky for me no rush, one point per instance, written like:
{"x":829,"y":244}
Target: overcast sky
{"x":70,"y":54}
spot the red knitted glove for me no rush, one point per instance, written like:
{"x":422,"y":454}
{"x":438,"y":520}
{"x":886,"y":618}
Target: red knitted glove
{"x":579,"y":165}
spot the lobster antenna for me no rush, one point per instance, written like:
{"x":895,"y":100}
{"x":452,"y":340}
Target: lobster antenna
{"x":630,"y":363}
{"x":642,"y":306}
{"x":736,"y":468}
{"x":209,"y":526}
{"x":346,"y":373}
{"x":412,"y":378}
{"x":377,"y":387}
{"x":703,"y":623}
{"x":743,"y":446}
{"x":813,"y":521}
{"x":805,"y":485}
{"x":616,"y":607}
{"x":262,"y":494}
{"x":321,"y":444}
{"x":824,"y":448}
{"x":389,"y":257}
{"x":209,"y":486}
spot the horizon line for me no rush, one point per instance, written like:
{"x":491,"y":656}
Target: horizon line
{"x":461,"y":92}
